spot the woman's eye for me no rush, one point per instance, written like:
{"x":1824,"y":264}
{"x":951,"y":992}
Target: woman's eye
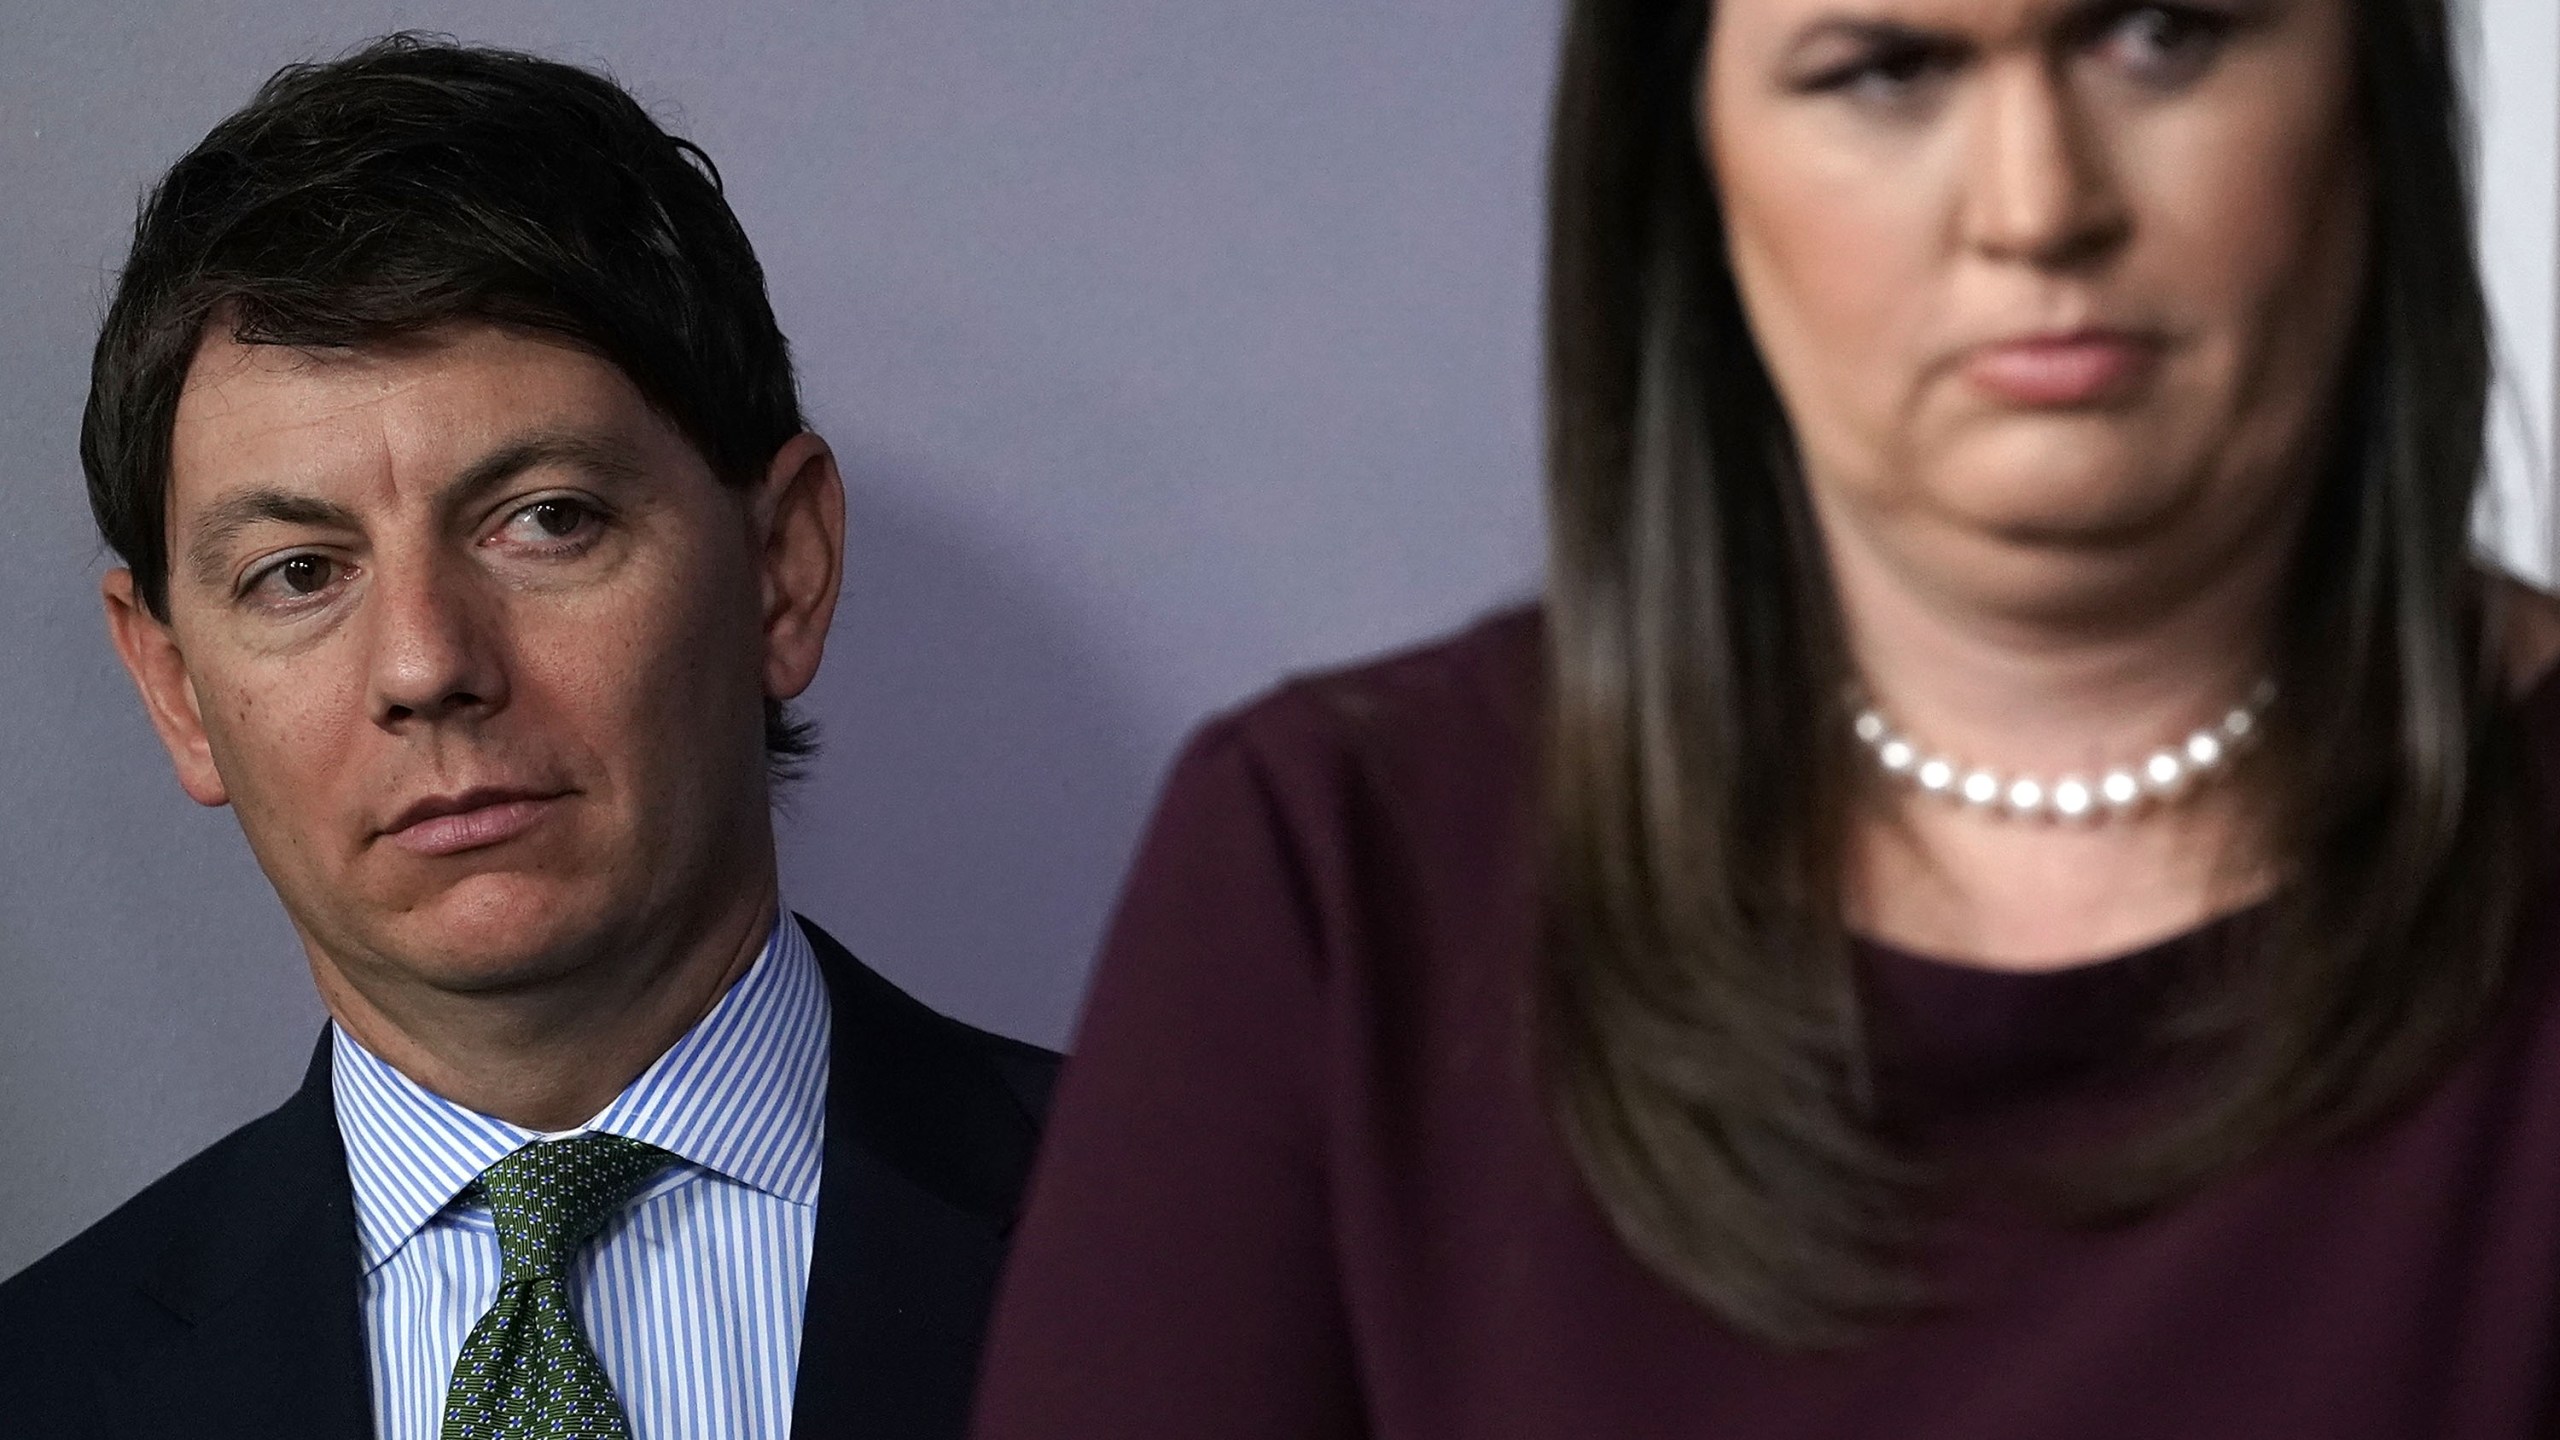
{"x":1888,"y":76}
{"x":2165,"y":44}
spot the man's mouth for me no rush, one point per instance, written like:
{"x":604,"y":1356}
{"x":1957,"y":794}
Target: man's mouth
{"x":469,"y":820}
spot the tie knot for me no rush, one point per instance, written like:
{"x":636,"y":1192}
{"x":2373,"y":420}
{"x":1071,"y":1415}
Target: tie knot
{"x":551,"y":1197}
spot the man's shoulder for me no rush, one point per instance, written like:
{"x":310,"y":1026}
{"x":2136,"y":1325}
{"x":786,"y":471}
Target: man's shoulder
{"x":956,"y":1108}
{"x":134,"y":1238}
{"x":129,"y":1276}
{"x":1028,"y":1070}
{"x":876,"y":1009}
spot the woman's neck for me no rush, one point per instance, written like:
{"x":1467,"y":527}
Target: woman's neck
{"x":2050,"y":665}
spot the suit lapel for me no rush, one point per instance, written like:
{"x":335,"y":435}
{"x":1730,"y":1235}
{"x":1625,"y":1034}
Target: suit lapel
{"x":927,"y":1147}
{"x":263,"y":1281}
{"x":926,"y":1150}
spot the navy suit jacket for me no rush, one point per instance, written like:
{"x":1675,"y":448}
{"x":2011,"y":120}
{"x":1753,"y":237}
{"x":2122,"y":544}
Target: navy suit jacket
{"x":222,"y":1301}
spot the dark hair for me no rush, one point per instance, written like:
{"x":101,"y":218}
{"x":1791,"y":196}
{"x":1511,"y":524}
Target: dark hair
{"x":1703,"y":1044}
{"x":413,"y":183}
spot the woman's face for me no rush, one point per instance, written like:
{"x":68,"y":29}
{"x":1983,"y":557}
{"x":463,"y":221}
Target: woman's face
{"x":2040,"y":281}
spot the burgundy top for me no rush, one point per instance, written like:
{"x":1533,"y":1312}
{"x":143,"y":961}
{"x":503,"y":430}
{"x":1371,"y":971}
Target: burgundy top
{"x":1299,"y":1182}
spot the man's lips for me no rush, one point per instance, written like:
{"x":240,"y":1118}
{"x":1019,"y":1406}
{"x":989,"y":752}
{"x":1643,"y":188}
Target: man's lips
{"x":471,"y":820}
{"x":2080,"y":367}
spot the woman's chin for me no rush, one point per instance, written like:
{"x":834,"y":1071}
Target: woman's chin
{"x":2090,"y":501}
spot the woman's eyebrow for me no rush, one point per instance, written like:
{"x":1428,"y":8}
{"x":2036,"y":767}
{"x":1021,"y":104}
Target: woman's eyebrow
{"x":1865,"y":33}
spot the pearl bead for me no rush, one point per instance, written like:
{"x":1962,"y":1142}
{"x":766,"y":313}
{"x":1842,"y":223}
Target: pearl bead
{"x":1981,"y":788}
{"x":2072,"y":799}
{"x":2121,"y":789}
{"x":2164,"y":774}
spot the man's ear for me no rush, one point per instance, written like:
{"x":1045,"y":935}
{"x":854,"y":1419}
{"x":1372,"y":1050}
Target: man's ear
{"x":800,"y":523}
{"x":159,"y":670}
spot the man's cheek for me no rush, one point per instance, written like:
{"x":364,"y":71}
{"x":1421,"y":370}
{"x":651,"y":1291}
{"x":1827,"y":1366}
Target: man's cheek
{"x":630,"y":669}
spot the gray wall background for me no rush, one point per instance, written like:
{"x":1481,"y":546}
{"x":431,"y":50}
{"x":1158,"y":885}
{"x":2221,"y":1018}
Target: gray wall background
{"x":1170,"y":344}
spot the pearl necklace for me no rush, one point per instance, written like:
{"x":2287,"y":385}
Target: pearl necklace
{"x":2162,"y":776}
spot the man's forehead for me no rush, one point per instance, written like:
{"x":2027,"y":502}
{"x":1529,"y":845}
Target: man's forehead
{"x":386,"y":416}
{"x":275,"y":396}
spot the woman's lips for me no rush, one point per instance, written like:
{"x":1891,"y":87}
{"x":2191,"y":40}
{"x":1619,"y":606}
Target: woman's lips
{"x":473,"y":829}
{"x":2054,"y":371}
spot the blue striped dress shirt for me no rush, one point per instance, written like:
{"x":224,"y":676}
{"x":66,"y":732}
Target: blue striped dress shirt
{"x":692,"y":1296}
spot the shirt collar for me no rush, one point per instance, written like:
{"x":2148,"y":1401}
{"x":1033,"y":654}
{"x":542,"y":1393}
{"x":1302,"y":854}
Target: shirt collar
{"x":742,"y":1094}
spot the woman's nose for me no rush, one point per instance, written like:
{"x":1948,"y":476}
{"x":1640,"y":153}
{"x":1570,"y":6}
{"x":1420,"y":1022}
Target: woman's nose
{"x":2037,"y":183}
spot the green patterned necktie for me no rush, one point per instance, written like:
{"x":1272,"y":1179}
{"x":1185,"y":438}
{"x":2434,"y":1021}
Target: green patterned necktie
{"x":526,"y":1372}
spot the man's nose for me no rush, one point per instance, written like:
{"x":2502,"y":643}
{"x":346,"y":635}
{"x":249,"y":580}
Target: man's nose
{"x":2038,"y":186}
{"x":437,"y":651}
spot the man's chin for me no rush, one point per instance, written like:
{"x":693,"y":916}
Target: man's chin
{"x":499,"y":931}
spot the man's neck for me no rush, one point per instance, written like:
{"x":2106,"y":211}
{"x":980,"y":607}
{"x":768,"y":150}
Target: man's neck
{"x":549,"y":1057}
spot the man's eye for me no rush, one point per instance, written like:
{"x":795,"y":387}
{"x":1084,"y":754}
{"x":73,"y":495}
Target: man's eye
{"x":551,"y":521}
{"x":297,"y":575}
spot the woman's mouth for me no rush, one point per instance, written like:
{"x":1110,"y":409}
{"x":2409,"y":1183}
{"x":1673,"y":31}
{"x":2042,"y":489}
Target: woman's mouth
{"x":2063,"y":371}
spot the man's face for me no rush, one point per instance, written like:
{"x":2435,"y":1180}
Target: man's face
{"x":476,"y":646}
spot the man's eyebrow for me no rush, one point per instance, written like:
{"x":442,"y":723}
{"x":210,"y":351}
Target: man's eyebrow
{"x":223,"y":521}
{"x":604,"y":459}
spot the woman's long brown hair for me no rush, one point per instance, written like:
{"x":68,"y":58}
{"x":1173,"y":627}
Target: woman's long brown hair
{"x":1705,"y":1051}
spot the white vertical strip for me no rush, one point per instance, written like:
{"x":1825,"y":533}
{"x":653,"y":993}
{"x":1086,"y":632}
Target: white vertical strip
{"x":2515,"y":70}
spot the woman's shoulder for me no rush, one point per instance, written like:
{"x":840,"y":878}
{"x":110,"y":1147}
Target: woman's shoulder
{"x":1345,"y":812}
{"x":1461,"y":702}
{"x":1386,"y":788}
